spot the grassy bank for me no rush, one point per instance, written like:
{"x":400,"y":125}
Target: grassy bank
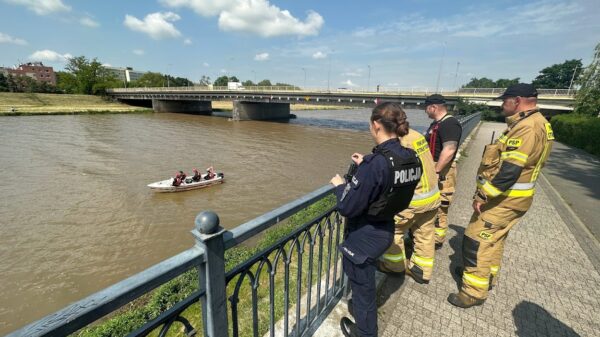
{"x":136,"y":314}
{"x":17,"y":104}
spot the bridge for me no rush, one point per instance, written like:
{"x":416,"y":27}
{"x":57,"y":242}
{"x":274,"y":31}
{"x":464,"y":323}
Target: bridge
{"x":273,"y":102}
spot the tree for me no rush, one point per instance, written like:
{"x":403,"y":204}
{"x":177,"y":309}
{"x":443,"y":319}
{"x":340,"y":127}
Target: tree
{"x":91,"y":77}
{"x":204,"y":80}
{"x":150,"y":79}
{"x":178,"y":81}
{"x":223,"y":80}
{"x":3,"y":83}
{"x":483,"y":82}
{"x":558,"y":76}
{"x":505,"y":82}
{"x":265,"y":83}
{"x":66,"y":82}
{"x":248,"y":83}
{"x":587,"y":100}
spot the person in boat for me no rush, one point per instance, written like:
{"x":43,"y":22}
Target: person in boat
{"x":210,"y":173}
{"x":197,"y":176}
{"x":177,"y":180}
{"x":182,"y":175}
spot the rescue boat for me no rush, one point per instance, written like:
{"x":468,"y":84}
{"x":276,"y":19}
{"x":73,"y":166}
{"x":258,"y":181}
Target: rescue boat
{"x":188,"y":184}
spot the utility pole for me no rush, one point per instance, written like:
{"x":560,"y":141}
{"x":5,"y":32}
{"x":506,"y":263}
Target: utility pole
{"x":437,"y":84}
{"x":369,"y":78}
{"x":456,"y":76}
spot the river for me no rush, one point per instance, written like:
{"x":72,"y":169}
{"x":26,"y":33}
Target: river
{"x":76,"y":215}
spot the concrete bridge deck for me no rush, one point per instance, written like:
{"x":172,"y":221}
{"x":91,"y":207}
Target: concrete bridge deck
{"x":549,"y":283}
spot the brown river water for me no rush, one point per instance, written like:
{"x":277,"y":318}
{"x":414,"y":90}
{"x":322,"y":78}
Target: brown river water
{"x":76,"y":215}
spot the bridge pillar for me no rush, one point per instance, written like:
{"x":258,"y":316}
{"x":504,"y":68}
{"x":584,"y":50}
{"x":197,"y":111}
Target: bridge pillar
{"x":260,"y":110}
{"x":192,"y":107}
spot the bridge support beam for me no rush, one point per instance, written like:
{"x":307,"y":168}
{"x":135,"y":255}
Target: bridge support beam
{"x":260,"y":110}
{"x":191,"y":107}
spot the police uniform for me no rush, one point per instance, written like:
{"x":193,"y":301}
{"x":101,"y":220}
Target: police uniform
{"x":447,"y":129}
{"x":382,"y":186}
{"x":419,"y":218}
{"x":506,"y":181}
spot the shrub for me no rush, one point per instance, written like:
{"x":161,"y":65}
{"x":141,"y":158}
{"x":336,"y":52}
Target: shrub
{"x":578,"y":130}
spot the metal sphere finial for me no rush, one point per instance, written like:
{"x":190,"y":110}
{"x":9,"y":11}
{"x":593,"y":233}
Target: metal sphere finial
{"x":207,"y":222}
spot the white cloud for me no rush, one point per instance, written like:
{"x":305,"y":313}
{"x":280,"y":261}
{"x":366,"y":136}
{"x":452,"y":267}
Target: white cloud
{"x":349,"y":83}
{"x":156,"y":25}
{"x":206,"y":64}
{"x":223,"y":71}
{"x":187,"y":41}
{"x":49,"y":56}
{"x":89,"y":22}
{"x":202,"y":7}
{"x":261,"y":57}
{"x":42,"y":7}
{"x":319,"y":55}
{"x":139,"y":52}
{"x":5,"y":38}
{"x":352,"y":74}
{"x":257,"y":17}
{"x":106,"y":65}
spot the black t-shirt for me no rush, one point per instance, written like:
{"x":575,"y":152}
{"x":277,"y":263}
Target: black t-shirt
{"x":449,"y":130}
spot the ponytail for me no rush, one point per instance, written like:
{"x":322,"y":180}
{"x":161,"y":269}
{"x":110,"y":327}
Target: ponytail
{"x":392,"y":118}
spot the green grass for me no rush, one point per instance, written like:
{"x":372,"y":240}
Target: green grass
{"x":50,"y":104}
{"x":151,"y":305}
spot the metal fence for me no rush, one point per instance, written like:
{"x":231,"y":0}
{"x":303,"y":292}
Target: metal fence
{"x":284,"y":290}
{"x":418,"y":91}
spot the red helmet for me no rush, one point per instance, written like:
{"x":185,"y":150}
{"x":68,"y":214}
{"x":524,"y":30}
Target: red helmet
{"x":194,"y":170}
{"x":177,"y":175}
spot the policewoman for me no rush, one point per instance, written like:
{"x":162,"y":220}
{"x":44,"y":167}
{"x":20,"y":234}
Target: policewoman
{"x":382,"y":186}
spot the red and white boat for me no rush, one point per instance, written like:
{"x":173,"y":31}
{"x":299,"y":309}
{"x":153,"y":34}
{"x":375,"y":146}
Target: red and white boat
{"x":188,"y":184}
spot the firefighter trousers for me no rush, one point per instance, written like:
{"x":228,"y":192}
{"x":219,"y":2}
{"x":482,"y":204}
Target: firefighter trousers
{"x":446,"y":184}
{"x":482,"y":248}
{"x":421,"y":261}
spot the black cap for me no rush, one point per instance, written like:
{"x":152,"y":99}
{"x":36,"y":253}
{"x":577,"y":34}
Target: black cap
{"x":521,"y":90}
{"x":435,"y":99}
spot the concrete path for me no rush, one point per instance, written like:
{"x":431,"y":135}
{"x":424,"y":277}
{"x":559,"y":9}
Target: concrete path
{"x":548,"y":285}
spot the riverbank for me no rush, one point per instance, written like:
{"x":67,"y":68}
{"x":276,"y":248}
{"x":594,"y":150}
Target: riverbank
{"x":17,"y":104}
{"x":25,"y":104}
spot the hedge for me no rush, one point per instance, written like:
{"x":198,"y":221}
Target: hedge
{"x":578,"y":130}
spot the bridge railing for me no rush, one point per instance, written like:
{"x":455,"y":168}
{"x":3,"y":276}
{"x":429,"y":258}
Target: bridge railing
{"x":417,"y":91}
{"x":285,"y":289}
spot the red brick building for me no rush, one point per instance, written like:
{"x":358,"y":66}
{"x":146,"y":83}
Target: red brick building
{"x":35,"y":70}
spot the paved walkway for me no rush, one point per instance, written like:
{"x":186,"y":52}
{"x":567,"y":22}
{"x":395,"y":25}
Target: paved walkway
{"x":548,"y":284}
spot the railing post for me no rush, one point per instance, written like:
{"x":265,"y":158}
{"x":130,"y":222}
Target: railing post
{"x":209,"y":236}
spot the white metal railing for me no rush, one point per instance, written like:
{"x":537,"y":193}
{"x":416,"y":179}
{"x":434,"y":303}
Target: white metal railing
{"x":417,"y":91}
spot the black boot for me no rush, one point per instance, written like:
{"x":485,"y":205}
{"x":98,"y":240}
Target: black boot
{"x":348,"y":327}
{"x":463,"y":300}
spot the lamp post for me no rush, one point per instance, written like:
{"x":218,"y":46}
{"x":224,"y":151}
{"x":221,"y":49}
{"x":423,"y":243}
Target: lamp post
{"x":329,"y":69}
{"x":437,"y":84}
{"x":456,"y":76}
{"x":168,"y":76}
{"x":304,"y":87}
{"x":369,"y":78}
{"x":572,"y":78}
{"x":254,"y":73}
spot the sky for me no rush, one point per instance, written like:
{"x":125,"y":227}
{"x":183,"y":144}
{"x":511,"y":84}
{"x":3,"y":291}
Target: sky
{"x":336,"y":44}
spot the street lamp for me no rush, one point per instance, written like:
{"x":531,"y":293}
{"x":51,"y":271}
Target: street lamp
{"x":254,"y":73}
{"x":369,"y":80}
{"x":304,"y":69}
{"x":572,"y":78}
{"x":329,"y":69}
{"x":437,"y":84}
{"x":456,"y":76}
{"x":168,"y":76}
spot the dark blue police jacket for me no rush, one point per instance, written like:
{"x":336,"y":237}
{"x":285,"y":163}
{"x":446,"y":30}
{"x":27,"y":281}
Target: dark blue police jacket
{"x":368,"y":236}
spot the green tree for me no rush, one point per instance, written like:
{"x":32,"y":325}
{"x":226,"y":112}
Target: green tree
{"x":587,"y":100}
{"x":3,"y":83}
{"x":150,"y":80}
{"x":558,"y":76}
{"x":265,"y":83}
{"x":178,"y":81}
{"x":483,"y":82}
{"x":91,"y":77}
{"x":66,"y":82}
{"x":221,"y":81}
{"x":248,"y":83}
{"x":505,"y":82}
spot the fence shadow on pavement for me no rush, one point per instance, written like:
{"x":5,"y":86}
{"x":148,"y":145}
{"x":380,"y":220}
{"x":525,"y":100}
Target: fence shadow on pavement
{"x":531,"y":320}
{"x":456,"y":258}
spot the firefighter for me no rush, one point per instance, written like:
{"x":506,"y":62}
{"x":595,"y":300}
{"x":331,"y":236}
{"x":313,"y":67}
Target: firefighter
{"x":383,"y":186}
{"x":505,"y":187}
{"x":443,"y":137}
{"x":418,"y":218}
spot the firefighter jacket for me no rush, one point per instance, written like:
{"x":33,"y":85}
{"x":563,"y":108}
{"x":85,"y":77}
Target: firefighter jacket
{"x":427,"y":193}
{"x":511,"y":165}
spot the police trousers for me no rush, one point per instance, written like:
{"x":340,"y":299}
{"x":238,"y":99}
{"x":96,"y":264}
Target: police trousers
{"x":422,"y":228}
{"x":482,"y":248}
{"x":446,"y":184}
